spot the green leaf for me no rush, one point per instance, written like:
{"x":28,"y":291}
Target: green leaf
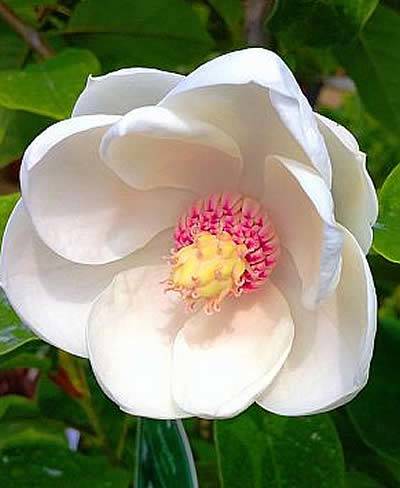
{"x":117,"y":426}
{"x":13,"y":50}
{"x":321,"y":23}
{"x":15,"y":406}
{"x":27,"y":9}
{"x":374,"y":66}
{"x":57,"y":405}
{"x":47,"y":467}
{"x":17,"y":130}
{"x":262,"y":450}
{"x":354,"y":479}
{"x":7,"y":203}
{"x":49,"y":88}
{"x":13,"y":333}
{"x":21,"y":425}
{"x":387,"y":229}
{"x":30,"y":432}
{"x":164,"y":457}
{"x":25,"y":360}
{"x":160,"y":33}
{"x":362,"y":462}
{"x":230,"y":10}
{"x":375,"y":412}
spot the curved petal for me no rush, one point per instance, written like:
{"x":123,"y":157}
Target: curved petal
{"x":79,"y":207}
{"x":356,"y":203}
{"x":131,"y":330}
{"x":155,"y":147}
{"x":118,"y":92}
{"x":222,"y":362}
{"x":332,"y":350}
{"x":301,"y":209}
{"x":252,"y":96}
{"x":53,"y":296}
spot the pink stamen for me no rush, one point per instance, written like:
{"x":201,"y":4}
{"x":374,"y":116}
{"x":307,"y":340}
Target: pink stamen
{"x":245,"y":221}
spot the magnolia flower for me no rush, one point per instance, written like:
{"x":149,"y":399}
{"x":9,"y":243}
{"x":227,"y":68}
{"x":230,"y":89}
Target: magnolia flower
{"x":201,"y":240}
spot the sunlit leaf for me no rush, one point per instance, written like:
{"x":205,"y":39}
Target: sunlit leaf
{"x":387,"y":232}
{"x":13,"y":333}
{"x":49,"y":88}
{"x":7,"y":203}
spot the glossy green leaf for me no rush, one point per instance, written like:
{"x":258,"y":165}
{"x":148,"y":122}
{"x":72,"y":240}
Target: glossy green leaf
{"x":375,"y":412}
{"x":53,"y":466}
{"x":373,"y":64}
{"x":7,"y":203}
{"x":387,"y":229}
{"x":159,"y":33}
{"x":49,"y":88}
{"x":164,"y":458}
{"x":262,"y":450}
{"x":321,"y":23}
{"x":17,"y":130}
{"x":13,"y":333}
{"x":362,"y":462}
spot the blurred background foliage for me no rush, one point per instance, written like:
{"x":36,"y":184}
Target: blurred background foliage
{"x":56,"y":426}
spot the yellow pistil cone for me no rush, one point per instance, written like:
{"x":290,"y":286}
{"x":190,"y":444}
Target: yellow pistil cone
{"x":208,"y":270}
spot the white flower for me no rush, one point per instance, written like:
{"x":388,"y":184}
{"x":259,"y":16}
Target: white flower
{"x":268,"y":209}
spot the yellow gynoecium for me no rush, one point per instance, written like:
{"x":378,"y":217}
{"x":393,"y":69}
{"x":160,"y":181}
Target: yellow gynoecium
{"x":208,"y":270}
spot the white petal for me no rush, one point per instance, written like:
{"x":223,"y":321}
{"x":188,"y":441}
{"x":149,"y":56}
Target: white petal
{"x":332,"y":350}
{"x":155,"y":147}
{"x":119,"y":92}
{"x":53,"y":296}
{"x":222,"y":362}
{"x":356,"y":203}
{"x":79,"y":207}
{"x":252,"y":96}
{"x":301,"y":210}
{"x":130,"y":335}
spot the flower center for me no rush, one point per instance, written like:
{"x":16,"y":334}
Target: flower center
{"x":225,"y":245}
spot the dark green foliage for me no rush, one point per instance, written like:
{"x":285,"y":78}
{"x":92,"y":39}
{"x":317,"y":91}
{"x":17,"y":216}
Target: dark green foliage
{"x":357,"y":446}
{"x":262,"y":450}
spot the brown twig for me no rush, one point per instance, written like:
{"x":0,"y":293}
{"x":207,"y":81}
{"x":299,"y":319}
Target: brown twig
{"x":28,"y":33}
{"x":255,"y":13}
